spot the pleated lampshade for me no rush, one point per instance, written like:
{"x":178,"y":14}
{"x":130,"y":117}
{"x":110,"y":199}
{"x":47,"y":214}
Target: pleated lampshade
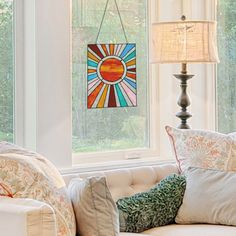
{"x":184,"y":42}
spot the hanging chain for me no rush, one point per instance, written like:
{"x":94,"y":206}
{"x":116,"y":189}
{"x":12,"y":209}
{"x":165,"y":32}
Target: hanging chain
{"x":121,"y":22}
{"x":104,"y":13}
{"x":102,"y":21}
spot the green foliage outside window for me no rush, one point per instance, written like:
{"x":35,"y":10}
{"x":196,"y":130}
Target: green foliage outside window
{"x":6,"y":70}
{"x":226,"y":73}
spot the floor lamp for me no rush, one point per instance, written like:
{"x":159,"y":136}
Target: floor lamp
{"x":184,"y":42}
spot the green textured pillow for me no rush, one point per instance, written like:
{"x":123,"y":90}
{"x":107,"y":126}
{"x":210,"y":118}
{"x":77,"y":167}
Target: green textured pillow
{"x":156,"y":207}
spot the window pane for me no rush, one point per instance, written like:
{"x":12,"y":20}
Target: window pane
{"x":6,"y":70}
{"x":106,"y":129}
{"x":226,"y":79}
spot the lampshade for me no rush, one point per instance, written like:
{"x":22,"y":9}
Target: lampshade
{"x":184,"y":42}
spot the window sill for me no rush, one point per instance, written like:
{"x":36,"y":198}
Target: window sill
{"x":111,"y":165}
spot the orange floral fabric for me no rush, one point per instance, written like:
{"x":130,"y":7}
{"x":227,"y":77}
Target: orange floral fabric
{"x":204,"y":149}
{"x":24,"y":174}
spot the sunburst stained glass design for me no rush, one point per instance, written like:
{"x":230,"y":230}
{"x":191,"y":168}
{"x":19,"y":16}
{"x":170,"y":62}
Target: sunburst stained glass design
{"x":111,"y":75}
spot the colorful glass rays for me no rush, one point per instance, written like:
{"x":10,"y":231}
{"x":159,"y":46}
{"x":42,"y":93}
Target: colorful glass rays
{"x":112,"y":75}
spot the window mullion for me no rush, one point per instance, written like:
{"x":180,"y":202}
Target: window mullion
{"x":19,"y":72}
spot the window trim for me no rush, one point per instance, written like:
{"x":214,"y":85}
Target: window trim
{"x":19,"y":72}
{"x":208,"y":13}
{"x":111,"y":165}
{"x":25,"y":107}
{"x":211,"y":75}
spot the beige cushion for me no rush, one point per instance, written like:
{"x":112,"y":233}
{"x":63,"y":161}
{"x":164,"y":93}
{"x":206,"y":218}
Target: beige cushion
{"x":26,"y":217}
{"x":209,"y":198}
{"x":127,"y":182}
{"x":132,"y":234}
{"x":191,"y":230}
{"x":96,"y":212}
{"x":24,"y":174}
{"x":200,"y":148}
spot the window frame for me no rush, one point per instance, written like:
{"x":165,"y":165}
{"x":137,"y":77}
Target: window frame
{"x":206,"y":10}
{"x":19,"y":72}
{"x":136,"y":154}
{"x":211,"y":74}
{"x":25,"y":107}
{"x":44,"y":122}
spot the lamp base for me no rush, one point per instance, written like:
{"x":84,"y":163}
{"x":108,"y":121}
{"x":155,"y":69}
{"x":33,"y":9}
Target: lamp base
{"x":183,"y":100}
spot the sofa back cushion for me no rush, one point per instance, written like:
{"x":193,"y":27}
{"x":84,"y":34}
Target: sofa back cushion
{"x":127,"y":182}
{"x":25,"y":174}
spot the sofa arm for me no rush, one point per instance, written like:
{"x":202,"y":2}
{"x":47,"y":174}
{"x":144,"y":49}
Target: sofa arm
{"x":26,"y":217}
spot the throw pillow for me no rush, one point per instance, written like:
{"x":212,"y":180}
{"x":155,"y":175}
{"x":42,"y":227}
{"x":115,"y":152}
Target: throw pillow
{"x":206,"y":149}
{"x":95,"y":210}
{"x":156,"y":207}
{"x":24,"y":174}
{"x":209,"y":197}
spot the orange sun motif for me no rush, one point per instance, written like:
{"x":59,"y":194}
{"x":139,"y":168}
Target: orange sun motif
{"x":112,"y":70}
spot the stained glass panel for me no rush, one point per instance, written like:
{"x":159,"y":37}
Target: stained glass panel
{"x":111,"y":75}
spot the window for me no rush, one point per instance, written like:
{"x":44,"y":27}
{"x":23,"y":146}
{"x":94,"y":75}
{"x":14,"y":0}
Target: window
{"x":226,"y":78}
{"x":109,"y":129}
{"x":6,"y":70}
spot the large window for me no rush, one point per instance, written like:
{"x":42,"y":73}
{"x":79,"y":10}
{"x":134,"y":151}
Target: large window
{"x":6,"y":70}
{"x":226,"y":74}
{"x":109,"y":129}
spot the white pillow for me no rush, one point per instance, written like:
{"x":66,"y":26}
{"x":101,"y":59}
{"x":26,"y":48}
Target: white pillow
{"x":209,"y":198}
{"x":96,"y":212}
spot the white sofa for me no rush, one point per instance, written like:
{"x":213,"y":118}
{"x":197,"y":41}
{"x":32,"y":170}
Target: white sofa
{"x":23,"y":219}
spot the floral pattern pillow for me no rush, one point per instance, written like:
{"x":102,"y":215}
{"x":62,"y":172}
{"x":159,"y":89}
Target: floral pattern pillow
{"x":24,"y":174}
{"x":204,"y":149}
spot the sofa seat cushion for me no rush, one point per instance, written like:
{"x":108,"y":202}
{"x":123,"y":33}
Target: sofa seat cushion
{"x":191,"y":230}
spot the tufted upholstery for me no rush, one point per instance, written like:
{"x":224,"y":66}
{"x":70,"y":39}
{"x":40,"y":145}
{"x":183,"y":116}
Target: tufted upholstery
{"x":126,"y":182}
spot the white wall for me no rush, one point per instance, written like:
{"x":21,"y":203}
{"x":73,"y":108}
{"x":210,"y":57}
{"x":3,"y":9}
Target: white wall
{"x":47,"y":127}
{"x":54,"y":80}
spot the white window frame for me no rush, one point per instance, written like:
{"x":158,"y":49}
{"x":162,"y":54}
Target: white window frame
{"x":211,"y":74}
{"x":19,"y":72}
{"x":137,"y":154}
{"x":43,"y":87}
{"x":25,"y":78}
{"x":205,"y":10}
